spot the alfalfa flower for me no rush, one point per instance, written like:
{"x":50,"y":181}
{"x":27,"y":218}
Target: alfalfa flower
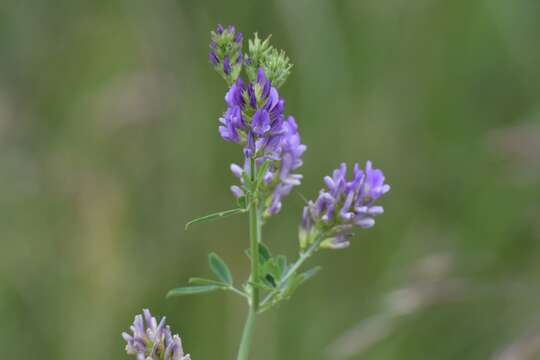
{"x":255,"y":119}
{"x":226,"y":52}
{"x":343,"y":206}
{"x":151,"y":340}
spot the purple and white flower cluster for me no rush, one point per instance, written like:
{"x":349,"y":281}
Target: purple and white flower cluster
{"x":255,"y":119}
{"x":342,"y":206}
{"x":153,"y":341}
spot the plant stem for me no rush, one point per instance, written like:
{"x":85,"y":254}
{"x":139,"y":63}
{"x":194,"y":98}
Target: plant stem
{"x":255,"y":239}
{"x":245,"y":343}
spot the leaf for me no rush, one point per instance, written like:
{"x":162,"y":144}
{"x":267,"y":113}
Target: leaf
{"x":260,"y":285}
{"x":202,"y":281}
{"x":247,"y":180}
{"x":219,"y":268}
{"x":264,"y":253}
{"x":215,"y":216}
{"x":295,"y":281}
{"x":242,"y":201}
{"x":192,"y":290}
{"x":270,"y":269}
{"x":281,"y":262}
{"x":261,"y":172}
{"x":270,"y":281}
{"x":310,"y":273}
{"x":292,"y":284}
{"x":301,"y":196}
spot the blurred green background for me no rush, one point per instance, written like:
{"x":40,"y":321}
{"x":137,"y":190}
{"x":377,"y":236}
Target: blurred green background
{"x":109,"y":144}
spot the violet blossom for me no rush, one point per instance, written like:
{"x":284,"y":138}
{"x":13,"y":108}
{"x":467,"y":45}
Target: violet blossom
{"x":255,"y":119}
{"x":226,"y":52}
{"x":151,"y":340}
{"x":342,"y":206}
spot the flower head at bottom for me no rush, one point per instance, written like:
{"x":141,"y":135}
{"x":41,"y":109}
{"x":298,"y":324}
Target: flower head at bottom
{"x":151,"y":340}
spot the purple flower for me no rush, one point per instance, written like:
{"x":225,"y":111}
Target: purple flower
{"x":261,"y":122}
{"x":255,"y":119}
{"x":343,"y":205}
{"x":212,"y":57}
{"x":238,"y":38}
{"x":226,"y":65}
{"x":232,"y":124}
{"x":151,"y":340}
{"x":255,"y":113}
{"x":266,"y":137}
{"x":291,"y":151}
{"x":226,"y":52}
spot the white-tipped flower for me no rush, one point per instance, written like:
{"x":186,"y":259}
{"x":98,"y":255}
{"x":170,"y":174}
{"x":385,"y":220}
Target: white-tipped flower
{"x":153,"y":340}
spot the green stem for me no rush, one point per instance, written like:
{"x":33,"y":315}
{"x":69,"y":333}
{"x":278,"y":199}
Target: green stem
{"x":254,"y":238}
{"x":245,"y":343}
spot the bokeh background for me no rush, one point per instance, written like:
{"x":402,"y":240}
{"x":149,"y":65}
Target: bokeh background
{"x":109,"y":144}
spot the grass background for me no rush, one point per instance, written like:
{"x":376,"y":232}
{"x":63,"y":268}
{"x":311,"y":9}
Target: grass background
{"x":109,"y":144}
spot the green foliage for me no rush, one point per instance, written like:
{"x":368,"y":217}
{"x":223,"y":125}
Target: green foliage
{"x":192,"y":290}
{"x":203,"y":281}
{"x":261,"y":171}
{"x":275,"y":63}
{"x":220,"y":268}
{"x":215,"y":216}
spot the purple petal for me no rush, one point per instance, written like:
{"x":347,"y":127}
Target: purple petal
{"x":261,"y":122}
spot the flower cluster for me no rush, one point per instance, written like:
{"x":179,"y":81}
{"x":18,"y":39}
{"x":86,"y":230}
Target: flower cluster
{"x":279,"y":178}
{"x":275,"y":63}
{"x":226,"y":52}
{"x":343,"y":206}
{"x":153,"y":341}
{"x":255,"y":119}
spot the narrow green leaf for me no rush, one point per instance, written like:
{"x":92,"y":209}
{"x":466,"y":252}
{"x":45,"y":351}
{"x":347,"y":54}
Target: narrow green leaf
{"x":261,"y":172}
{"x":219,"y":268}
{"x":301,"y":196}
{"x":311,"y":272}
{"x":215,"y":216}
{"x":247,"y":180}
{"x":191,"y":290}
{"x":202,"y":281}
{"x":281,"y":261}
{"x":260,"y":285}
{"x":295,"y":281}
{"x":292,"y":284}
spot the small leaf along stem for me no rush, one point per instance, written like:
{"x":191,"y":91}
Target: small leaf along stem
{"x":215,"y":216}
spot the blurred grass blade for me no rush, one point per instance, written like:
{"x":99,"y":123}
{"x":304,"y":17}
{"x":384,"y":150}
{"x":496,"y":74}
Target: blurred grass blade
{"x":219,"y":268}
{"x":215,"y":216}
{"x":192,"y":290}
